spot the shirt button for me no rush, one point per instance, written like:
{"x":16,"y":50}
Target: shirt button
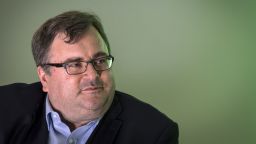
{"x":71,"y":141}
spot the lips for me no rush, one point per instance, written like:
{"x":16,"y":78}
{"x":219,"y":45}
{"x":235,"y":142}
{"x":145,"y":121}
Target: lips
{"x":92,"y":89}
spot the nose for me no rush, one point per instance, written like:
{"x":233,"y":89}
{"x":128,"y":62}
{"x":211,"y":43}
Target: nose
{"x":91,"y":73}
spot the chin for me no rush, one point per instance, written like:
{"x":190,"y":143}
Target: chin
{"x":94,"y":106}
{"x":94,"y":102}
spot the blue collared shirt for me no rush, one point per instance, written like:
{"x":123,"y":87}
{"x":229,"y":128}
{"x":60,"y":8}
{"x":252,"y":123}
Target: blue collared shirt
{"x":59,"y":132}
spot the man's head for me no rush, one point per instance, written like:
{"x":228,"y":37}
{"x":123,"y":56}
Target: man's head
{"x":73,"y":24}
{"x":74,"y":63}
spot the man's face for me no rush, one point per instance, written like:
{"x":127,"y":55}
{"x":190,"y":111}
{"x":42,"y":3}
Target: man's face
{"x":83,"y":96}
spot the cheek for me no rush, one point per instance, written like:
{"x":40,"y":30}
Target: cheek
{"x":108,"y":80}
{"x":69,"y":84}
{"x":61,"y":84}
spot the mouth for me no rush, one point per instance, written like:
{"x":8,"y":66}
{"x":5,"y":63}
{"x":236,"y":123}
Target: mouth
{"x":92,"y":89}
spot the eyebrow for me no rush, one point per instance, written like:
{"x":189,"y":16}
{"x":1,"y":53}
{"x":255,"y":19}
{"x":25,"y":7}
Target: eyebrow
{"x":75,"y":59}
{"x":100,"y":54}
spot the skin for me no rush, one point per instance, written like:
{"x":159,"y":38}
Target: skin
{"x":81,"y":98}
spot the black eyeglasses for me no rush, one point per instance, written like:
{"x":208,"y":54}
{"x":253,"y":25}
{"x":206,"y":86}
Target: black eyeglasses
{"x":78,"y":67}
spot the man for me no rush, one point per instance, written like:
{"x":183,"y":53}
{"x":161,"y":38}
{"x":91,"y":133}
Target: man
{"x":76,"y":101}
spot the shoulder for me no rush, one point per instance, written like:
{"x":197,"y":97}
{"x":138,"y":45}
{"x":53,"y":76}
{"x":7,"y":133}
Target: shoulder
{"x":20,"y":91}
{"x":131,"y":104}
{"x":144,"y":114}
{"x":20,"y":97}
{"x":143,"y":123}
{"x":20,"y":106}
{"x":17,"y":88}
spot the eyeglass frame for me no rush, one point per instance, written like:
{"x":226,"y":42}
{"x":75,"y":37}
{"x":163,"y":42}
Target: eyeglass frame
{"x":65,"y":64}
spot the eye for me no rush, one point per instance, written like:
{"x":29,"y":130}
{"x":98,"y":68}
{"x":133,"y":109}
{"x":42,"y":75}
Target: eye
{"x":75,"y":64}
{"x":100,"y":61}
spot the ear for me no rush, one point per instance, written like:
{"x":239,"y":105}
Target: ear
{"x":43,"y":76}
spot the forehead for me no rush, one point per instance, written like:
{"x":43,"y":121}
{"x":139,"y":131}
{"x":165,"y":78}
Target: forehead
{"x":88,"y":46}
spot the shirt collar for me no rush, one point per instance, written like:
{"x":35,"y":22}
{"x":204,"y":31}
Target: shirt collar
{"x":48,"y":111}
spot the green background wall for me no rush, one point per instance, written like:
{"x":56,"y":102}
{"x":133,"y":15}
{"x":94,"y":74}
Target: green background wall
{"x":193,"y":60}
